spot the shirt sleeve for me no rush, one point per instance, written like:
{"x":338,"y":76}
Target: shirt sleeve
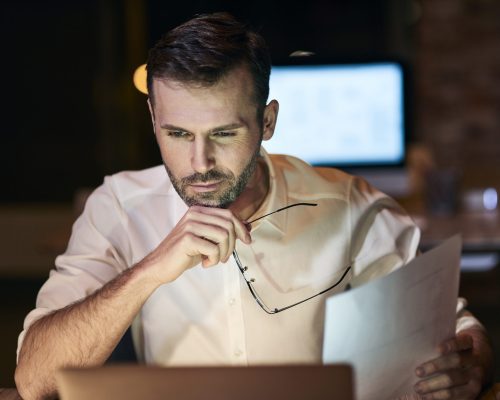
{"x":384,"y":237}
{"x":97,"y":252}
{"x":465,"y":320}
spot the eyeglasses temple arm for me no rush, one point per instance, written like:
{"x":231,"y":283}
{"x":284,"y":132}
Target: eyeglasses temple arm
{"x":277,"y":310}
{"x":281,"y":209}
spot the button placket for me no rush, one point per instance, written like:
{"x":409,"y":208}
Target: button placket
{"x":234,"y":314}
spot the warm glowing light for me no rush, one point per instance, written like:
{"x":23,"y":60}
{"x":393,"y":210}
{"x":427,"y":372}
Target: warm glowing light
{"x":140,"y":76}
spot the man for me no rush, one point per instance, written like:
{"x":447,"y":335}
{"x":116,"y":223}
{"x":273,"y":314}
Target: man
{"x":168,"y":252}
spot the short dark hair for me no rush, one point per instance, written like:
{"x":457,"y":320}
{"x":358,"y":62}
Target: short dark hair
{"x":204,"y":49}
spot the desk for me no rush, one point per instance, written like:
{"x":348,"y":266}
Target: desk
{"x":480,"y":235}
{"x":480,"y":231}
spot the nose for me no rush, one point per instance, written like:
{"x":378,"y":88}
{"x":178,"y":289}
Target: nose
{"x":202,"y":159}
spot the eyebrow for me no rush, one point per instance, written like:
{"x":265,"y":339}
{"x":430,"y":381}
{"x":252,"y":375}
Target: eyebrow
{"x":228,"y":127}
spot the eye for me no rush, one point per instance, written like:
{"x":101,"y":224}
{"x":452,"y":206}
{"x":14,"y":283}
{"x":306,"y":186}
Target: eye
{"x":224,"y":134}
{"x":178,"y":134}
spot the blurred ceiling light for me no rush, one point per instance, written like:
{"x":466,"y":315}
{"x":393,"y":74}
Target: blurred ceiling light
{"x":140,"y":77}
{"x":301,"y":53}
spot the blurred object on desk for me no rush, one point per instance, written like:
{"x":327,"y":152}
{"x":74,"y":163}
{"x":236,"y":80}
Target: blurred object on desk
{"x":31,"y":236}
{"x":420,"y":163}
{"x":475,"y":200}
{"x":441,"y":192}
{"x":480,"y":230}
{"x":443,"y":204}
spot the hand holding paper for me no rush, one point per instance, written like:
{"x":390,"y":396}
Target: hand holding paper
{"x":458,"y":373}
{"x":389,"y":327}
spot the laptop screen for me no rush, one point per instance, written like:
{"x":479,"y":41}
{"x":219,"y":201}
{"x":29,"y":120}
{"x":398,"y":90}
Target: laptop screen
{"x":132,"y":382}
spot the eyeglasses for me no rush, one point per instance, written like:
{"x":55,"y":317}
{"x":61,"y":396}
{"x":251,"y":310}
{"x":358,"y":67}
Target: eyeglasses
{"x":250,"y":282}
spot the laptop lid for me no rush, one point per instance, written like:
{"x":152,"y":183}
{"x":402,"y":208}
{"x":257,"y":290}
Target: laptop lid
{"x":126,"y":382}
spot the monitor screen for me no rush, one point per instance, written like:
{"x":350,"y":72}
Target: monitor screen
{"x":344,"y":115}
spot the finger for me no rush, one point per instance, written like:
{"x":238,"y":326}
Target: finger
{"x":213,"y":233}
{"x":240,"y":228}
{"x":213,"y":227}
{"x":208,"y":251}
{"x":444,"y":363}
{"x":446,"y":380}
{"x":470,"y":390}
{"x":226,"y":218}
{"x":459,"y":343}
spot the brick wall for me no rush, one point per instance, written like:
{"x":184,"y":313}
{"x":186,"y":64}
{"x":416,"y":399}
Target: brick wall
{"x":457,"y":72}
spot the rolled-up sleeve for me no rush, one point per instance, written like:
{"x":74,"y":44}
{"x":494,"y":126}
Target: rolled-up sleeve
{"x":384,"y":237}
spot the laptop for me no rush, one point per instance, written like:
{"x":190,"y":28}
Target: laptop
{"x":127,"y":382}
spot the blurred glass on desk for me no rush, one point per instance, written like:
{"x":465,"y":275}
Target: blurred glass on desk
{"x":442,"y":191}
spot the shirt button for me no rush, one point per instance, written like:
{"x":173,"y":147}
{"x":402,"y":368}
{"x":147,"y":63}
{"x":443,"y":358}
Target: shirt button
{"x":238,"y":353}
{"x":232,"y":301}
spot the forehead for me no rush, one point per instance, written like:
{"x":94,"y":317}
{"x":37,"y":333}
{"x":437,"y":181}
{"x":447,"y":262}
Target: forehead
{"x":228,"y":99}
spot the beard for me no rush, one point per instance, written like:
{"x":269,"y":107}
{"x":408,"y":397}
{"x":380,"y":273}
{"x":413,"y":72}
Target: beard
{"x":231,"y":186}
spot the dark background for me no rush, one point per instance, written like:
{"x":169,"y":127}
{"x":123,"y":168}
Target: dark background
{"x":70,"y":112}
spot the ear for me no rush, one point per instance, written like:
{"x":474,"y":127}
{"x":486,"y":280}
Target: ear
{"x":152,"y":114}
{"x":270,"y":117}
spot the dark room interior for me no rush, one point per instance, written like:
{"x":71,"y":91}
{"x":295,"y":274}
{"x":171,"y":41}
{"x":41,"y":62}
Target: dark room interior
{"x":71,"y":115}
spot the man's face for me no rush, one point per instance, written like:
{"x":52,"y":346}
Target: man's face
{"x":209,"y":138}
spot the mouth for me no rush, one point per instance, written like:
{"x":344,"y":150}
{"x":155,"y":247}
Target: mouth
{"x":201,"y":187}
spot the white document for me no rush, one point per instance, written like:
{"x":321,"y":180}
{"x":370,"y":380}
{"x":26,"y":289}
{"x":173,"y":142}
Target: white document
{"x":389,"y":326}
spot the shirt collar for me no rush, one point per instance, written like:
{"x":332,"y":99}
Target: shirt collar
{"x":276,"y":198}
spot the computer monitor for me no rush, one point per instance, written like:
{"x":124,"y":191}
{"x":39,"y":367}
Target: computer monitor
{"x":340,"y":114}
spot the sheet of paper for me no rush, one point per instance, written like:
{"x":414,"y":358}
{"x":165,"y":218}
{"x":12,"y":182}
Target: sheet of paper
{"x":387,"y":327}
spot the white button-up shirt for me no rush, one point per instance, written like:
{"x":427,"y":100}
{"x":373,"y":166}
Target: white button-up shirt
{"x":208,"y":316}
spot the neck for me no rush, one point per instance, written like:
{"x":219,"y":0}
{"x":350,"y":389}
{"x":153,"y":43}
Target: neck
{"x":254,"y":194}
